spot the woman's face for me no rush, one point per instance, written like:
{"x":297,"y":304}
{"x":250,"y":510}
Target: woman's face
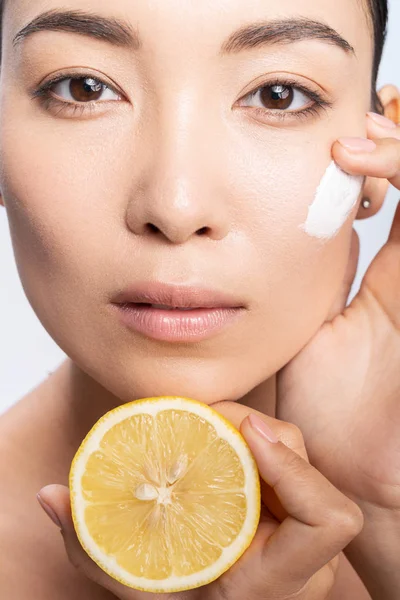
{"x":105,"y":195}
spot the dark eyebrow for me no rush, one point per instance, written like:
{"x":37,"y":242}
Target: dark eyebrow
{"x":283,"y":31}
{"x":120,"y":33}
{"x":112,"y":30}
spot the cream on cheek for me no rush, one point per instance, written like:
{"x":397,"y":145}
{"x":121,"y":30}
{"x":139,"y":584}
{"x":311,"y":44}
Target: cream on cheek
{"x":334,"y":200}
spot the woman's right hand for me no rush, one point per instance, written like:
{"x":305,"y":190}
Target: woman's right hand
{"x":307,"y":522}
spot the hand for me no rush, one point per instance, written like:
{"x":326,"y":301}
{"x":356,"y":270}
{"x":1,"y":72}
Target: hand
{"x":304,"y":525}
{"x":343,"y":389}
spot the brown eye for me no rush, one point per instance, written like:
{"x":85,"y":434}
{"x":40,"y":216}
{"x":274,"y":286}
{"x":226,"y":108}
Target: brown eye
{"x":83,"y":89}
{"x":277,"y":96}
{"x":87,"y":89}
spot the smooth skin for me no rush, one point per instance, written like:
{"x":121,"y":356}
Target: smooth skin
{"x":175,"y":153}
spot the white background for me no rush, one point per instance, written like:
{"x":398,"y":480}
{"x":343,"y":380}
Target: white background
{"x":28,"y":354}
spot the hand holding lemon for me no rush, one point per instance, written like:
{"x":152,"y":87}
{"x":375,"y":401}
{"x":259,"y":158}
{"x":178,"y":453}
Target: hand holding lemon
{"x":165,"y":497}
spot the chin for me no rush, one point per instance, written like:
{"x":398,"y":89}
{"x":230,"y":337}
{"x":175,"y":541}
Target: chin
{"x":129,"y":376}
{"x":207,"y":394}
{"x":204,"y":389}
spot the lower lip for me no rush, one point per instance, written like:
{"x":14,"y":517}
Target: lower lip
{"x":177,"y":325}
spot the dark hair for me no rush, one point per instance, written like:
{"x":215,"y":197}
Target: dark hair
{"x":378,"y":16}
{"x":378,"y":12}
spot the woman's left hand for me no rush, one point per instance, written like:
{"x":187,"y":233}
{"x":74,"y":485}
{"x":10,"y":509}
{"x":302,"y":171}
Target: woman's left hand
{"x":343,"y":389}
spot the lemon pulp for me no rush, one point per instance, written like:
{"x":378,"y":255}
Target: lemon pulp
{"x":165,"y":494}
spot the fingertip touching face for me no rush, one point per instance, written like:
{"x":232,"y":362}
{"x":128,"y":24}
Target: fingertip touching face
{"x":179,"y":143}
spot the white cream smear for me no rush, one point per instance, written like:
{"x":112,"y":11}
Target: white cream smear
{"x":334,"y":200}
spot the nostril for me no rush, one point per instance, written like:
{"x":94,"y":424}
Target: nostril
{"x":202,"y":231}
{"x":153,"y":228}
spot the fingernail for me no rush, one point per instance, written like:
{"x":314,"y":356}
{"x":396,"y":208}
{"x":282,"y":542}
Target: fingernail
{"x":356,"y":144}
{"x":49,"y":511}
{"x":381,"y":120}
{"x":262,"y":428}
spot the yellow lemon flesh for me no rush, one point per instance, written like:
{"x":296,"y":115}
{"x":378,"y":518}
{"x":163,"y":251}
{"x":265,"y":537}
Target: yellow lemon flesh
{"x":165,"y":494}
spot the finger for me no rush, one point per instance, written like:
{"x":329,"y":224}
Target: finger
{"x":321,"y":521}
{"x":340,"y":301}
{"x":358,"y":156}
{"x":58,"y":498}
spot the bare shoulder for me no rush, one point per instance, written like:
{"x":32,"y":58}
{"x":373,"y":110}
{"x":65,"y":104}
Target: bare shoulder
{"x":348,"y":585}
{"x":33,"y":562}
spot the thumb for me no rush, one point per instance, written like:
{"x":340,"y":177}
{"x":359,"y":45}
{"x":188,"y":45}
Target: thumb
{"x":339,"y":303}
{"x":55,"y":501}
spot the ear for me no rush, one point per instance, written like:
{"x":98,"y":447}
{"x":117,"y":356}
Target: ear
{"x":375,"y":189}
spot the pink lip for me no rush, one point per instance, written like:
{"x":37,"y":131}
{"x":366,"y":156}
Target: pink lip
{"x":211,"y":311}
{"x":177,"y":325}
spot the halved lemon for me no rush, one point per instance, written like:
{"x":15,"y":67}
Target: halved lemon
{"x":165,"y":494}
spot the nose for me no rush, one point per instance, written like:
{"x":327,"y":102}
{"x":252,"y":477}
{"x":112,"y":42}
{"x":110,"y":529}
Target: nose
{"x":175,"y":192}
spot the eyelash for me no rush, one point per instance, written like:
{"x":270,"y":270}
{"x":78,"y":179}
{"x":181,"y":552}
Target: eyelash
{"x":43,"y":94}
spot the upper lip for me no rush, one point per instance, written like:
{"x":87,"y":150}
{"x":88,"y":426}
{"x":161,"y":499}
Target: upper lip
{"x":177,"y":296}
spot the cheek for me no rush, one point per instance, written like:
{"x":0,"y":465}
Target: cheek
{"x":297,"y":271}
{"x":60,"y":216}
